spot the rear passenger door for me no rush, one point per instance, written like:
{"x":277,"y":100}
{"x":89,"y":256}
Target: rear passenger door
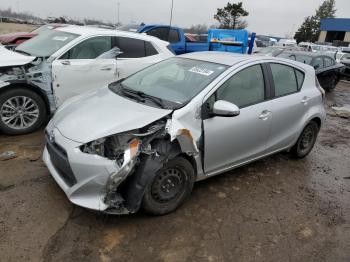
{"x":136,"y":55}
{"x":289,"y":106}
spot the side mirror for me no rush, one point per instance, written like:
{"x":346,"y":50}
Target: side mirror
{"x":225,"y":109}
{"x":316,"y":66}
{"x":111,"y":54}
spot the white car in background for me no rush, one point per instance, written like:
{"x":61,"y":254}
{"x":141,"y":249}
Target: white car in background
{"x":40,"y":74}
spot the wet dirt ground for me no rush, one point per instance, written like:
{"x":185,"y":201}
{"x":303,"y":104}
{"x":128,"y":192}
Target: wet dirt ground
{"x":276,"y":209}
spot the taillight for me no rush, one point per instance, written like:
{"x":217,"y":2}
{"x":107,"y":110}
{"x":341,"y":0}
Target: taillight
{"x":319,"y":87}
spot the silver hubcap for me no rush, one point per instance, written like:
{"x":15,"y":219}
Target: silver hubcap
{"x":19,"y":112}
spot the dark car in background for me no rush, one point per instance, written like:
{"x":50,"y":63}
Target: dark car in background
{"x":328,"y":71}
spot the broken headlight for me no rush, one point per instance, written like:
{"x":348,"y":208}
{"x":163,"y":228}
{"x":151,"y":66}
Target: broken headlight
{"x":113,"y":147}
{"x":96,"y":147}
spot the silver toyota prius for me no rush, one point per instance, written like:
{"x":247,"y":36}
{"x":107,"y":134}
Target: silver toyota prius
{"x":143,"y":141}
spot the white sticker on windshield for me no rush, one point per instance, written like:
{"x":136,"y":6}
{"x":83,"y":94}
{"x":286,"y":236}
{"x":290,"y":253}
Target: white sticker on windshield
{"x":201,"y":71}
{"x":60,"y":38}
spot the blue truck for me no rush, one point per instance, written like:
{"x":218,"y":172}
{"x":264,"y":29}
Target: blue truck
{"x":235,"y":41}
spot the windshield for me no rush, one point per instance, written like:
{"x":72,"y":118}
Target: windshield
{"x":176,"y":80}
{"x":44,"y":45}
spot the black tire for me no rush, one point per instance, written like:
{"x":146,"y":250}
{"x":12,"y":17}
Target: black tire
{"x":34,"y":111}
{"x":306,"y":141}
{"x":161,"y":196}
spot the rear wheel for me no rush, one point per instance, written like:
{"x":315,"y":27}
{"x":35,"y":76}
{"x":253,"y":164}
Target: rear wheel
{"x":306,"y":140}
{"x":21,"y":111}
{"x":170,"y":187}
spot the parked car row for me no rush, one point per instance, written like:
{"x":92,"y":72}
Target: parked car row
{"x":134,"y":126}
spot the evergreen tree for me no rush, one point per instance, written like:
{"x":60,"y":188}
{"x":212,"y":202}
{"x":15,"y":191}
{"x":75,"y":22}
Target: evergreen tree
{"x":230,"y":17}
{"x":310,"y":28}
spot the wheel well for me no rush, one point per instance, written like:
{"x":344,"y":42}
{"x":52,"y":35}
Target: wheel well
{"x":317,"y":120}
{"x":32,"y":88}
{"x":191,"y":160}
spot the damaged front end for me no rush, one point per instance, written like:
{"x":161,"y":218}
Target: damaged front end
{"x":35,"y":74}
{"x":138,"y":155}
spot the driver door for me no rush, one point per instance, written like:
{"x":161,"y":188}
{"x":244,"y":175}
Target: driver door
{"x":229,"y":141}
{"x":80,"y":69}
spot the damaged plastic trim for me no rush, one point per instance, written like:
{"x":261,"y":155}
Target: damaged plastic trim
{"x":147,"y":153}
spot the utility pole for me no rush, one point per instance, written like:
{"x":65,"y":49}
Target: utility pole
{"x":17,"y":6}
{"x":118,"y":10}
{"x":171,"y":12}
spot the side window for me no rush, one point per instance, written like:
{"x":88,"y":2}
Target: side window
{"x":245,"y":88}
{"x":90,"y":48}
{"x":284,"y":78}
{"x":131,"y":48}
{"x":161,"y":33}
{"x":150,"y":50}
{"x":328,"y":62}
{"x":300,"y":78}
{"x":174,"y":36}
{"x":318,"y":63}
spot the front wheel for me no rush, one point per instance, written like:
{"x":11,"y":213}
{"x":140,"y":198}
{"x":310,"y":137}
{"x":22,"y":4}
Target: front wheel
{"x":306,"y":140}
{"x":21,"y":111}
{"x":170,"y":187}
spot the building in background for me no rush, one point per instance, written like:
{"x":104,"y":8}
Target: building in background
{"x":335,"y":29}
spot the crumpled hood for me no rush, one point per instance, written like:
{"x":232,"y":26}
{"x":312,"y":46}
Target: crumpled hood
{"x":102,"y":113}
{"x":10,"y":58}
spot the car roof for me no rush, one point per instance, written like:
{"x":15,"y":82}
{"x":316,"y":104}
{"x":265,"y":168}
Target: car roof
{"x":230,"y":59}
{"x":91,"y":31}
{"x":311,"y":54}
{"x":224,"y":58}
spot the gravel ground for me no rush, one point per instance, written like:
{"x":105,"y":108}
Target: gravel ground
{"x":276,"y":209}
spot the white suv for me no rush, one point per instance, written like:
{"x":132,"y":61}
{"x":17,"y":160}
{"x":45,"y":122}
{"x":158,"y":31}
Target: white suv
{"x":46,"y":70}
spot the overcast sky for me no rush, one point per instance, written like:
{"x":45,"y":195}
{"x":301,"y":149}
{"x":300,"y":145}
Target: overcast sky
{"x":274,"y":17}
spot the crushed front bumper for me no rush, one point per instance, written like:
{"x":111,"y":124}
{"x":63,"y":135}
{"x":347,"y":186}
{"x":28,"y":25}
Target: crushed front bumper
{"x":82,"y":177}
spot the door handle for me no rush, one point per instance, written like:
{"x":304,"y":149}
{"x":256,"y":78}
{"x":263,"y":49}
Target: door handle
{"x":305,"y":100}
{"x":264,"y":115}
{"x":65,"y":62}
{"x":106,"y":68}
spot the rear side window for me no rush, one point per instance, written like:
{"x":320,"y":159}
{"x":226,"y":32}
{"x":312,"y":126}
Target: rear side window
{"x":246,"y":87}
{"x":131,"y":48}
{"x":300,"y":78}
{"x":161,"y":33}
{"x":328,"y":62}
{"x":174,"y":36}
{"x":285,"y":79}
{"x":318,"y":63}
{"x":150,"y":50}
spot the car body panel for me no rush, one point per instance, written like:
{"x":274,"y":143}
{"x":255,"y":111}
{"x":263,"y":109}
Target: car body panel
{"x":9,"y":58}
{"x":103,"y":105}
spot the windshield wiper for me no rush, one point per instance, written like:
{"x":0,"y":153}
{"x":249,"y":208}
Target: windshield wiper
{"x":141,"y":95}
{"x":154,"y":99}
{"x":132,"y":94}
